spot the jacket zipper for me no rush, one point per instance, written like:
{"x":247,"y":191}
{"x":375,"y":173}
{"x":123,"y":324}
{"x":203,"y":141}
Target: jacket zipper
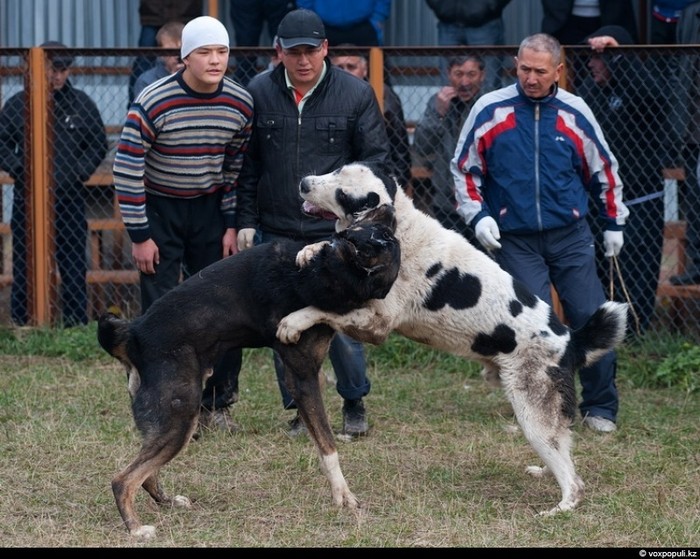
{"x":537,"y":166}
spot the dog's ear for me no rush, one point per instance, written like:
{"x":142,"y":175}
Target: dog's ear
{"x":384,"y":215}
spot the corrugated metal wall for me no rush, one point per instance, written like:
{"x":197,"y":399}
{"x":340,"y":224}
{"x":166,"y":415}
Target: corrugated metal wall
{"x":115,"y":23}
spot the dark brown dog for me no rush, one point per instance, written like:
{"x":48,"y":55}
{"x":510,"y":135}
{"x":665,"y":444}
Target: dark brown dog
{"x":237,"y":302}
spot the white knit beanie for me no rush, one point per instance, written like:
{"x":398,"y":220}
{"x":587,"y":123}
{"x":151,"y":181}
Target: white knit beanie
{"x":203,"y":31}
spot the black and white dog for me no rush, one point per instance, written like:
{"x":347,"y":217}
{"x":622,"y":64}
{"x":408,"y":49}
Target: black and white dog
{"x":237,"y":302}
{"x":451,"y":296}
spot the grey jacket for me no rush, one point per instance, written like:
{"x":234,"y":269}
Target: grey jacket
{"x":340,"y":123}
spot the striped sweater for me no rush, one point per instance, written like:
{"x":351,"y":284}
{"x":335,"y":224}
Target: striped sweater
{"x":182,"y":144}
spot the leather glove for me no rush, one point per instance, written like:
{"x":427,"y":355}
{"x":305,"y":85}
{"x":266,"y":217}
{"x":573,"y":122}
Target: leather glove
{"x":246,"y":238}
{"x":487,"y":233}
{"x":612,"y":241}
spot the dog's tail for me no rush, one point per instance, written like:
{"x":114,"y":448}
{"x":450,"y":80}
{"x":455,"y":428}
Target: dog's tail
{"x":605,"y":329}
{"x":113,"y":334}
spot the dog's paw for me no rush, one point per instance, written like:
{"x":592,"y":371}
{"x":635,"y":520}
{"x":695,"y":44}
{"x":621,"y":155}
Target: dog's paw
{"x":182,"y":502}
{"x":144,"y":532}
{"x":287,"y":331}
{"x":537,"y":471}
{"x":346,"y":499}
{"x":306,"y":254}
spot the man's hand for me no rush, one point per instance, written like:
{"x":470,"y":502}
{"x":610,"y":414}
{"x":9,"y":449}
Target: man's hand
{"x":487,"y":233}
{"x":612,"y":241}
{"x":246,"y":238}
{"x":443,"y":99}
{"x":146,"y":256}
{"x":229,"y":242}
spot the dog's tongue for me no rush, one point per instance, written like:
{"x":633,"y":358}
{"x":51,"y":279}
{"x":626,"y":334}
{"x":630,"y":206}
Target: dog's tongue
{"x":315,"y":211}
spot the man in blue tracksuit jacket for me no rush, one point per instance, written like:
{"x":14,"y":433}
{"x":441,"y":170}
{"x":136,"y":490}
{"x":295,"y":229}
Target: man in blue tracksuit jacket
{"x":527,"y":156}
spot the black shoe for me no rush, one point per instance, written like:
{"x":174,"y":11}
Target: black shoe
{"x":685,"y":279}
{"x":219,"y":419}
{"x":354,"y":418}
{"x":297,"y":427}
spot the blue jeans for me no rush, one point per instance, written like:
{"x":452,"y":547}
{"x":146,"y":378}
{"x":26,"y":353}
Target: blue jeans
{"x":491,"y":33}
{"x":565,"y":258}
{"x":347,"y":357}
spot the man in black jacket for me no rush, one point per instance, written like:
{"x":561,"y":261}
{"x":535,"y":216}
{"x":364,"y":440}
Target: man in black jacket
{"x":310,"y":117}
{"x":79,"y":145}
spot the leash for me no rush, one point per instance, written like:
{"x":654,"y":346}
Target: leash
{"x":615,"y":268}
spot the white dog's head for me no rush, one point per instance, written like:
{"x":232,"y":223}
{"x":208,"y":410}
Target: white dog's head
{"x":347,"y":193}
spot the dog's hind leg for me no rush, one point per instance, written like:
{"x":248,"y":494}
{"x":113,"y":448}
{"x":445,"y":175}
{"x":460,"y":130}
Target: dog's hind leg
{"x":547,"y":428}
{"x":166,"y":431}
{"x":302,"y":366}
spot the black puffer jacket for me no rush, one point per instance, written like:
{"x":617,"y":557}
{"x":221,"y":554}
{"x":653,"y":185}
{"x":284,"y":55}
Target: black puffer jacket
{"x":79,"y":139}
{"x":340,"y":123}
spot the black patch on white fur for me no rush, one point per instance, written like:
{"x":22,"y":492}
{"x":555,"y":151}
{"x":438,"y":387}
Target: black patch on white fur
{"x":555,"y":324}
{"x":516,"y":307}
{"x":354,"y":206}
{"x":459,"y":291}
{"x":433,"y":270}
{"x":502,"y":340}
{"x":523,"y":294}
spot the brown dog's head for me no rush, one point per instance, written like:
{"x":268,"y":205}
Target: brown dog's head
{"x":375,"y":250}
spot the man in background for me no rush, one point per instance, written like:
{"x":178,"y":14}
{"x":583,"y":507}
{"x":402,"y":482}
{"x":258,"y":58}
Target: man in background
{"x":168,"y":37}
{"x":393,"y":116}
{"x":437,"y":133}
{"x":79,"y":146}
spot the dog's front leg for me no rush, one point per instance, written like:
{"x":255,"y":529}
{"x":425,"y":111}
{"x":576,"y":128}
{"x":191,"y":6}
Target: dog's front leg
{"x":302,"y":365}
{"x":364,"y":325}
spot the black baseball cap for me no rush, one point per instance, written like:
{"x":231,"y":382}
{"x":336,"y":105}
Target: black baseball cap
{"x":301,"y":27}
{"x":58,"y":61}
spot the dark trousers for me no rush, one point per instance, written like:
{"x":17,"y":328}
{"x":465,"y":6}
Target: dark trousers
{"x":71,"y":258}
{"x":248,"y":18}
{"x":565,"y":258}
{"x":639,"y":262}
{"x":347,"y":357}
{"x":362,"y":34}
{"x":188,"y":234}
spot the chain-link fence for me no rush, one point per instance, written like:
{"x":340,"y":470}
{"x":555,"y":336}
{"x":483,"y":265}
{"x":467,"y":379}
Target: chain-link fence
{"x":642,"y":110}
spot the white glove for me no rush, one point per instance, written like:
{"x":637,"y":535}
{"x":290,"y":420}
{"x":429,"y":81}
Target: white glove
{"x":246,"y":238}
{"x":612,"y":241}
{"x":487,"y":233}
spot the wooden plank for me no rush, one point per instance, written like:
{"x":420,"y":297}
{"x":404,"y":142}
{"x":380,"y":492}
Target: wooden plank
{"x":112,"y":276}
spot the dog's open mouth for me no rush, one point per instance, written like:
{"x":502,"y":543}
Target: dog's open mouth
{"x":312,"y":210}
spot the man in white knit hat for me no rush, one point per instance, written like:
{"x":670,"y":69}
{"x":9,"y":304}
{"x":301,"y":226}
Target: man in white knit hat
{"x":175,"y":175}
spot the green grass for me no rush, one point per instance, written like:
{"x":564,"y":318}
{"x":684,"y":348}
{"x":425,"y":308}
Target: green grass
{"x":442,"y":465}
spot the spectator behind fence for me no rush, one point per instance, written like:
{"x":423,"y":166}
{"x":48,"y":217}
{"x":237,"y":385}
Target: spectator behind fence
{"x":686,"y":80}
{"x":153,"y":14}
{"x":79,"y":146}
{"x":663,"y":22}
{"x":628,"y":101}
{"x":477,"y":22}
{"x":393,"y":116}
{"x":438,"y":130}
{"x":175,"y":174}
{"x":311,"y":117}
{"x":526,"y":159}
{"x":359,"y":22}
{"x":168,"y":37}
{"x":248,"y":18}
{"x":571,"y":21}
